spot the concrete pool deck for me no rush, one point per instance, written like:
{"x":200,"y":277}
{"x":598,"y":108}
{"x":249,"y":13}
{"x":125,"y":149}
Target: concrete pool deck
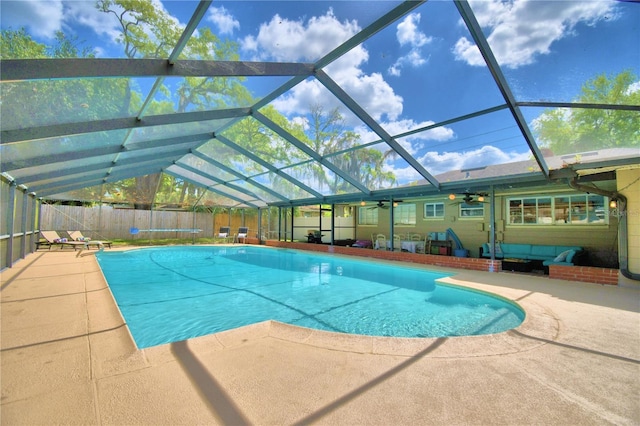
{"x":67,"y":357}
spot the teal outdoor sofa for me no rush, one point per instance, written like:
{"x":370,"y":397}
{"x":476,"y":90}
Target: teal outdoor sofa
{"x":547,"y":255}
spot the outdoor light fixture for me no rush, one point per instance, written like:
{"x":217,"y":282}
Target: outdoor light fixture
{"x":362,"y":203}
{"x":481,"y":198}
{"x":613,"y":204}
{"x":452,"y":197}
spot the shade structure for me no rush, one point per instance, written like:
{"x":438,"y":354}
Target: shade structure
{"x":251,"y":104}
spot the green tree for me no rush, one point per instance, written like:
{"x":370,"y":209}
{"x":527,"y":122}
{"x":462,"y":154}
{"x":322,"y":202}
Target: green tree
{"x":567,"y":131}
{"x":148,"y":32}
{"x":43,"y":102}
{"x":256,"y":138}
{"x":28,"y":103}
{"x":17,"y":44}
{"x":330,"y":138}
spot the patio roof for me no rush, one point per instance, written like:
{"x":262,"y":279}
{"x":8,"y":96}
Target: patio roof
{"x":294,"y":103}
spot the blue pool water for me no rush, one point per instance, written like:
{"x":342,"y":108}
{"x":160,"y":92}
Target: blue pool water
{"x":169,"y":294}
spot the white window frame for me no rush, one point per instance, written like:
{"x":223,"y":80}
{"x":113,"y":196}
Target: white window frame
{"x":572,"y":217}
{"x":370,"y":216}
{"x":434,"y":207}
{"x":472,"y":209}
{"x":404,"y":215}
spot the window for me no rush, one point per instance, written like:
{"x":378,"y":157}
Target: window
{"x":404,"y":214}
{"x":434,"y":210}
{"x":530,"y":210}
{"x":368,"y":216}
{"x":563,"y":209}
{"x":475,"y":210}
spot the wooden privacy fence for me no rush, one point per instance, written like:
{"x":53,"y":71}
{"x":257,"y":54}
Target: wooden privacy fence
{"x":106,"y":222}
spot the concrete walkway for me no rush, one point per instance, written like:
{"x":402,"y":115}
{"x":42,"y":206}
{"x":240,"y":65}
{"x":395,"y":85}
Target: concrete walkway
{"x":67,"y":358}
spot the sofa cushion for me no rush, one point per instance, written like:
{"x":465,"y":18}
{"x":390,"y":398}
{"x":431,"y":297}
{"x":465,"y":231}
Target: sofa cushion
{"x":560,"y":249}
{"x":498,"y":249}
{"x":532,"y":252}
{"x":544,"y":252}
{"x":486,"y":250}
{"x":516,"y":250}
{"x":551,"y":262}
{"x":562,"y":256}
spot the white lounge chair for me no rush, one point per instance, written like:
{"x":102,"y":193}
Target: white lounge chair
{"x":77,"y":236}
{"x":53,"y":239}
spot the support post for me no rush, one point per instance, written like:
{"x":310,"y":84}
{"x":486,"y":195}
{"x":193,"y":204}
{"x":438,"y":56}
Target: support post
{"x":23,"y":222}
{"x":492,"y":227}
{"x":10,"y":221}
{"x":34,"y":212}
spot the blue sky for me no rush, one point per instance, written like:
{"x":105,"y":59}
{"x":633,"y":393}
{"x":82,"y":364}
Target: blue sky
{"x":422,"y":69}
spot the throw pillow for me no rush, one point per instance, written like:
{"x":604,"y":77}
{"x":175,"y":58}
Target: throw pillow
{"x":498,"y":249}
{"x":562,"y":256}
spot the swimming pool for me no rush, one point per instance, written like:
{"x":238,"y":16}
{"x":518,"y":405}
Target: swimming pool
{"x":168,"y":294}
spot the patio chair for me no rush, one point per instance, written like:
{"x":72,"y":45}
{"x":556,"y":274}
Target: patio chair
{"x":242,"y":234}
{"x":77,"y":236}
{"x":314,"y":236}
{"x":380,"y":242}
{"x":53,"y":239}
{"x":42,"y":242}
{"x":397,"y":242}
{"x":225,"y":233}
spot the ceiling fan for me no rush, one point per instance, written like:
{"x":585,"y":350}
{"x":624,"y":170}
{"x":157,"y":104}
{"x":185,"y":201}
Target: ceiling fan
{"x":470,"y":197}
{"x":381,"y":204}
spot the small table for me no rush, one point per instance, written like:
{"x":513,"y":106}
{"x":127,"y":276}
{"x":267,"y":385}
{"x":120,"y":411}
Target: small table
{"x":405,"y":245}
{"x":517,"y":265}
{"x":444,"y":247}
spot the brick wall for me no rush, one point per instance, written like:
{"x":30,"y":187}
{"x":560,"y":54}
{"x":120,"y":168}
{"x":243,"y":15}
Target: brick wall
{"x":571,"y":273}
{"x":587,"y":274}
{"x":424,"y":259}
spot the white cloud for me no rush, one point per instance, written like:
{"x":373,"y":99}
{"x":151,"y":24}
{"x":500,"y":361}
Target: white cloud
{"x":286,"y":40}
{"x":373,"y":94}
{"x":413,"y":59}
{"x":106,"y":24}
{"x":101,"y":23}
{"x":465,"y":50}
{"x":306,"y":94}
{"x":519,"y":31}
{"x":487,"y":155}
{"x":404,"y":175}
{"x":412,"y":143}
{"x":303,"y":122}
{"x":633,"y":88}
{"x":436,"y":163}
{"x":221,"y":17}
{"x":394,"y":70}
{"x":408,"y":33}
{"x":41,"y":19}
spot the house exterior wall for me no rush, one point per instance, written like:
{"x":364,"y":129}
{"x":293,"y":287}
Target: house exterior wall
{"x":599,"y":240}
{"x":629,"y":186}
